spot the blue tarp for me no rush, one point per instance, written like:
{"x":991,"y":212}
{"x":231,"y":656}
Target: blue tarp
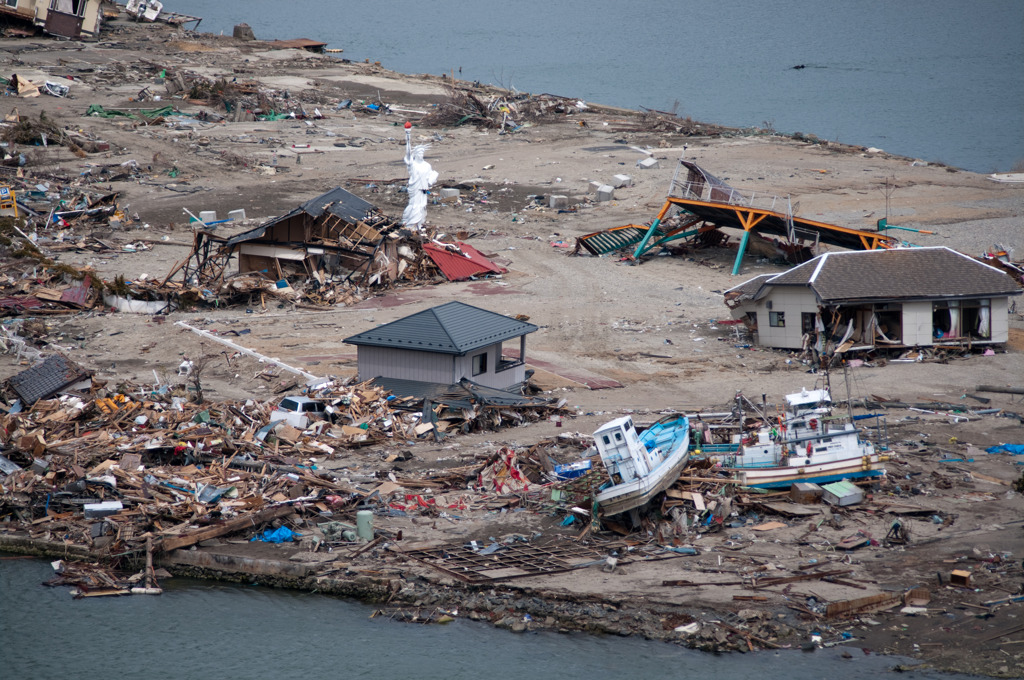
{"x":282,"y":535}
{"x":1012,"y":449}
{"x":573,"y":470}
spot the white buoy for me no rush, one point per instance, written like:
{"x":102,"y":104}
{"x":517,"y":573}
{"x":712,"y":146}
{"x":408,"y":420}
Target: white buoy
{"x":364,"y":525}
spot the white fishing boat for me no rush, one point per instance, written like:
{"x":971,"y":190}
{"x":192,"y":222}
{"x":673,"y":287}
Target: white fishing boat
{"x":640,"y":466}
{"x":803,"y":446}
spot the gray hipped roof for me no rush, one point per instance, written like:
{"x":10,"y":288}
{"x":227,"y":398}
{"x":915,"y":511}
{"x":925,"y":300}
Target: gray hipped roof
{"x":451,"y":328}
{"x":898,"y":274}
{"x":748,"y":289}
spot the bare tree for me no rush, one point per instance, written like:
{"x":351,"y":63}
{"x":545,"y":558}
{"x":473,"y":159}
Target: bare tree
{"x":196,"y":368}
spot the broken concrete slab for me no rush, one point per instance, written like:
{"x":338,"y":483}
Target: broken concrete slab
{"x":558,"y":202}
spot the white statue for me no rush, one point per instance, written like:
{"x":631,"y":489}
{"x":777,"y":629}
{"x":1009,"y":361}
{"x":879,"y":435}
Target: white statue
{"x":421,"y":178}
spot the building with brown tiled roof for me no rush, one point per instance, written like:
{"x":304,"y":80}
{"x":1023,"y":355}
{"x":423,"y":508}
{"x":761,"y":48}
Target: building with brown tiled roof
{"x":906,"y":297}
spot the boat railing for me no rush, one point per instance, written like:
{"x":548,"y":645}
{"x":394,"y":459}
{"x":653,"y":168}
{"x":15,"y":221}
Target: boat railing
{"x":878,"y":433}
{"x":718,"y":448}
{"x":734,"y":461}
{"x":702,"y":191}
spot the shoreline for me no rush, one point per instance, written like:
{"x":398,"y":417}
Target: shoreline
{"x":408,"y":593}
{"x":503,"y":605}
{"x":666,"y":299}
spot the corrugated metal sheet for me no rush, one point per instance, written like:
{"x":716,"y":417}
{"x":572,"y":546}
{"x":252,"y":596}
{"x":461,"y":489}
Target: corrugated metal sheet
{"x":25,"y":302}
{"x":461,"y":266}
{"x":77,"y":295}
{"x":610,"y":240}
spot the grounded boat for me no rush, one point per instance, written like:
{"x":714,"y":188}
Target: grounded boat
{"x":803,"y":447}
{"x":640,"y":466}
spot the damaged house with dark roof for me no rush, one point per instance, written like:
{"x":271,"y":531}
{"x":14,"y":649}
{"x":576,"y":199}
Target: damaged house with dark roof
{"x":336,"y":232}
{"x":336,"y":237}
{"x":857,"y":300}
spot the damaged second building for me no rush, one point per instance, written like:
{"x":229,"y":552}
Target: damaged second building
{"x":901,"y":298}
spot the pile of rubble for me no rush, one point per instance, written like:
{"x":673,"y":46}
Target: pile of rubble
{"x":141,"y":460}
{"x":339,"y":264}
{"x":502,"y":111}
{"x":353,"y":251}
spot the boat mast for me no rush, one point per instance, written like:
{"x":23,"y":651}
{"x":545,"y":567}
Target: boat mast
{"x":849,"y":399}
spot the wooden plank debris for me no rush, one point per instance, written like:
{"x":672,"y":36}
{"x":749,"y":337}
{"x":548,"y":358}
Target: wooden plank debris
{"x":253,"y":520}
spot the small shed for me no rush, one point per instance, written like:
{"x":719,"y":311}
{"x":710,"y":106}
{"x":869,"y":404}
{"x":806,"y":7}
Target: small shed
{"x":446,"y":344}
{"x":805,"y":493}
{"x":842,"y":493}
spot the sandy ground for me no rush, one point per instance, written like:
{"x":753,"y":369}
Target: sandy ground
{"x":597,"y":314}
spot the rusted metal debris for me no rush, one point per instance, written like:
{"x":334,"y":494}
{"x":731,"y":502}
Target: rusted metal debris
{"x":478,"y":563}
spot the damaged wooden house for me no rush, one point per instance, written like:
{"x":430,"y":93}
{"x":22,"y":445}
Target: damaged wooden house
{"x":863,"y":300}
{"x":74,"y":19}
{"x":332,"y":248}
{"x":336,"y":232}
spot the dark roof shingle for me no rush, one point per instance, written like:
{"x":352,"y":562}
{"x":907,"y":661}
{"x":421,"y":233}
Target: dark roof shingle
{"x":901,"y":273}
{"x":49,"y":377}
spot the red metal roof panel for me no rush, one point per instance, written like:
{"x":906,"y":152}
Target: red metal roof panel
{"x":77,"y":295}
{"x":459,"y":266}
{"x":20,"y":302}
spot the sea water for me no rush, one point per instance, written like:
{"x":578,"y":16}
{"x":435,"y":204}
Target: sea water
{"x":200,"y":629}
{"x":938,"y":80}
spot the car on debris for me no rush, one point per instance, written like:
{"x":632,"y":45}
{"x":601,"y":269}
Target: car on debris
{"x":299,"y":411}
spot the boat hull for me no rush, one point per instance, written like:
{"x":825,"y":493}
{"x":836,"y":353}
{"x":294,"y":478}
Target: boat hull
{"x":670,"y":435}
{"x":784,"y":476}
{"x":625,"y":497}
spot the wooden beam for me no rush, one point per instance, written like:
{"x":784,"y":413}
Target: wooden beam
{"x":229,"y":527}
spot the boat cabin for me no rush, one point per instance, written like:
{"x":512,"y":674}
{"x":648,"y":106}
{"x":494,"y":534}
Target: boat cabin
{"x":808,"y":401}
{"x":622,"y":453}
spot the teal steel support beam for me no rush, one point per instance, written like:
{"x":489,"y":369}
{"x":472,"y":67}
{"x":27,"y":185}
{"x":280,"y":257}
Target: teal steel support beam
{"x":647,"y":237}
{"x":676,"y":237}
{"x":739,"y":253}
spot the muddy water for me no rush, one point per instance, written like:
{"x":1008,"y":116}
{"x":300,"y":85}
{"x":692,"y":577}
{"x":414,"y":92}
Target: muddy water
{"x":208,"y":630}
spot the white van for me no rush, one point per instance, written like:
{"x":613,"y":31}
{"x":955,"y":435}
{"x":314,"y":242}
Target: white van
{"x":299,"y":411}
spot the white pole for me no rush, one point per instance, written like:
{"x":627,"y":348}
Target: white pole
{"x":310,"y":378}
